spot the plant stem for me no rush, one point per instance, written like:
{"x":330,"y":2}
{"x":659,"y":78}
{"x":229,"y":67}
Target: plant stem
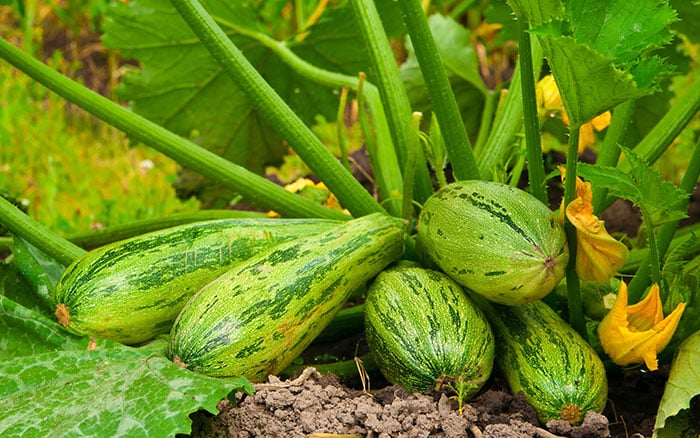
{"x":62,"y":250}
{"x":638,"y":259}
{"x":609,"y":152}
{"x":533,"y":145}
{"x":344,"y":369}
{"x":390,"y":193}
{"x":654,"y":262}
{"x":256,"y":189}
{"x":508,"y":119}
{"x":388,"y":173}
{"x":264,"y":98}
{"x":517,"y":169}
{"x":486,"y":119}
{"x":414,"y":149}
{"x":655,"y":143}
{"x":573,"y":290}
{"x":345,"y":323}
{"x":111,"y":234}
{"x":340,"y":129}
{"x":459,"y":148}
{"x":664,"y":237}
{"x":391,"y":90}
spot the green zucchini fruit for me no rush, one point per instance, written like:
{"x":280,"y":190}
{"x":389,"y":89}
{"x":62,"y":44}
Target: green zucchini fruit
{"x":496,"y":240}
{"x":425,"y":332}
{"x":256,"y":318}
{"x":560,"y":374}
{"x":132,"y":290}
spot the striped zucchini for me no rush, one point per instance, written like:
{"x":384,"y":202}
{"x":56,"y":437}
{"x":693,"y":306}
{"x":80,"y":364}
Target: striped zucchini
{"x":262,"y":313}
{"x":561,"y":376}
{"x":132,"y":290}
{"x":496,"y":240}
{"x":424,"y":331}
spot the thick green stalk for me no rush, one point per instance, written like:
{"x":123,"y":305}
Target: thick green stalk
{"x":391,"y":90}
{"x":573,"y":289}
{"x":609,"y":152}
{"x":486,"y":119}
{"x":106,"y":235}
{"x":533,"y":144}
{"x":388,"y":173}
{"x":256,"y":189}
{"x":654,"y":257}
{"x":340,"y":129}
{"x":508,"y":118}
{"x":62,"y":250}
{"x":5,"y":243}
{"x":264,"y":98}
{"x":346,"y":369}
{"x":390,"y":198}
{"x":664,"y":237}
{"x":409,"y":173}
{"x":459,"y":148}
{"x":655,"y":143}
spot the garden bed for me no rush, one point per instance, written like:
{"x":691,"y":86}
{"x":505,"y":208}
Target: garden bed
{"x":313,"y":403}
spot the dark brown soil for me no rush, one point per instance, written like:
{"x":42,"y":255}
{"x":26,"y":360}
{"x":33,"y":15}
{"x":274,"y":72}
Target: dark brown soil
{"x":312,"y":404}
{"x":315,"y":405}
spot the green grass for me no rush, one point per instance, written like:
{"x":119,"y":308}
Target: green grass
{"x":72,"y":172}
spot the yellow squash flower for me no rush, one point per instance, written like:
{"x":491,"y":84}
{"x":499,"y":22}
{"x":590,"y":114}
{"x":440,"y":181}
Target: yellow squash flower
{"x":309,"y":189}
{"x":550,"y":104}
{"x":598,"y":254}
{"x":637,"y":333}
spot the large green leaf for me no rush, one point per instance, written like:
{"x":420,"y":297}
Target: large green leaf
{"x":599,"y":51}
{"x":181,"y":87}
{"x":683,"y":384}
{"x":54,"y":383}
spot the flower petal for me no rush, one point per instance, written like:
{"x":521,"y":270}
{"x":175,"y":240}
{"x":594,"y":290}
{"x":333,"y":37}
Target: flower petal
{"x":598,"y":254}
{"x":626,"y":344}
{"x":648,"y":312}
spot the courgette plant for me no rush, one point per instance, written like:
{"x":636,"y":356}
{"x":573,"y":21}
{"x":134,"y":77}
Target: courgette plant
{"x":187,"y":46}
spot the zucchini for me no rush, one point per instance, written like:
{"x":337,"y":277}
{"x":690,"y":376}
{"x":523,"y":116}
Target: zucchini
{"x":132,"y":290}
{"x":496,"y":240}
{"x":424,"y":331}
{"x":260,"y":315}
{"x":560,"y":374}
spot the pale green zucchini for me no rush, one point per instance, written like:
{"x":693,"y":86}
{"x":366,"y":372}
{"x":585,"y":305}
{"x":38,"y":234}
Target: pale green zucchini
{"x":496,"y":240}
{"x":262,"y":313}
{"x":132,"y":290}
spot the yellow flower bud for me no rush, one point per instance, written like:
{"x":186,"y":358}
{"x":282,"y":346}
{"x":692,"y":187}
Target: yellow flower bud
{"x":637,"y":333}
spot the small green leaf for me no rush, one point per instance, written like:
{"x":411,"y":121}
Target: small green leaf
{"x":683,"y":383}
{"x":643,"y":186}
{"x":54,"y":383}
{"x":663,"y":199}
{"x":538,"y":12}
{"x":599,"y":51}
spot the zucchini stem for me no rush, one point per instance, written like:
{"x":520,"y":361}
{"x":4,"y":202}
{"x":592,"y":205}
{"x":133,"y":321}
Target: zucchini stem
{"x":449,"y":116}
{"x":320,"y":160}
{"x":20,"y":224}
